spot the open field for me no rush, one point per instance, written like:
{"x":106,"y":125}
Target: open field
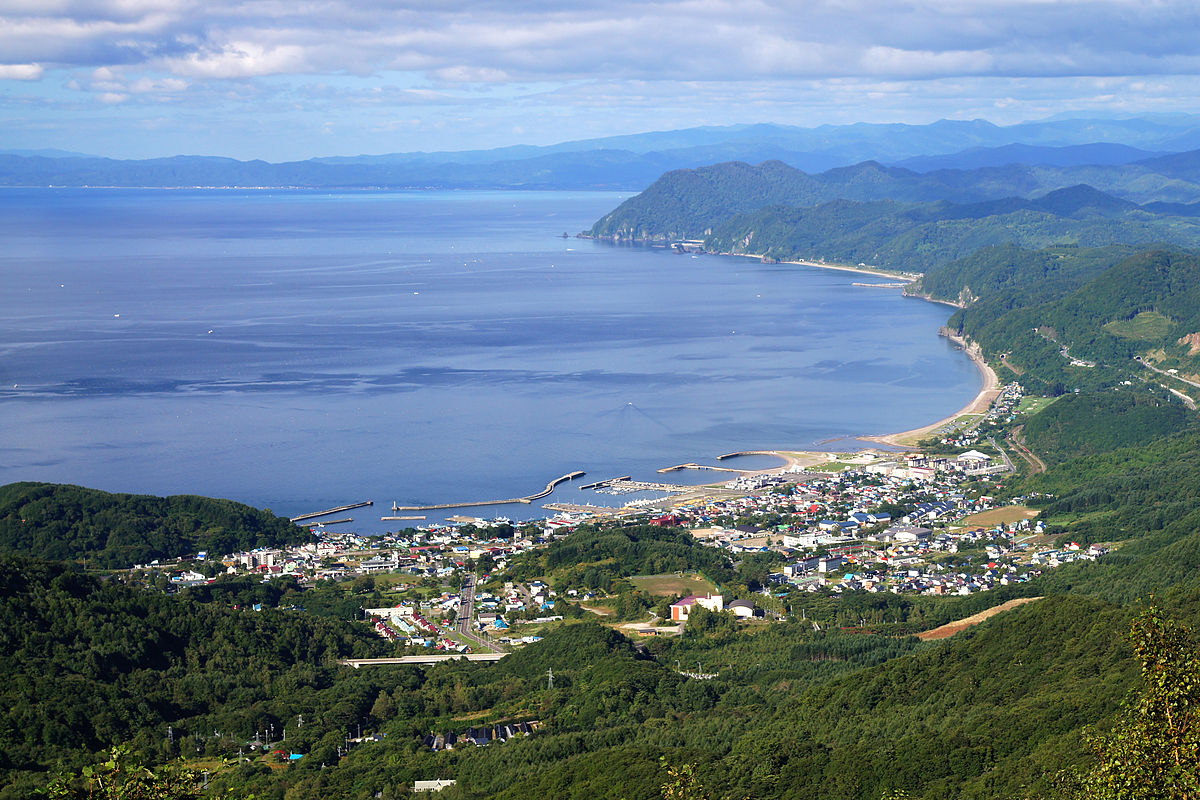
{"x":1032,"y":405}
{"x":1148,"y":326}
{"x":995,"y":516}
{"x":672,"y":584}
{"x":951,"y":628}
{"x":393,"y":580}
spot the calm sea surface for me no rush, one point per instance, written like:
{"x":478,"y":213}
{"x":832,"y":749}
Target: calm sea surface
{"x":301,"y":350}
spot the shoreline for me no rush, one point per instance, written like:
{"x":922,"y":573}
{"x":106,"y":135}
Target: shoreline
{"x":978,"y":405}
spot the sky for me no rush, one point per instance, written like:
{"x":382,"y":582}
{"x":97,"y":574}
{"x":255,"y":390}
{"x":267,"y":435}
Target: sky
{"x":285,"y":80}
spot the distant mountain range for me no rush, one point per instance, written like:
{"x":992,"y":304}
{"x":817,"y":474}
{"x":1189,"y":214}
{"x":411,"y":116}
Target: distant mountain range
{"x":634,"y":161}
{"x":695,"y":203}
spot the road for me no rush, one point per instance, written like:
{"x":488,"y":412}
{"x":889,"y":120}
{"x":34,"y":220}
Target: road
{"x":465,"y":624}
{"x":1187,"y":401}
{"x":1007,"y":461}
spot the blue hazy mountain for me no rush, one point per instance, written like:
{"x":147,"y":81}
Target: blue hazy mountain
{"x":634,"y":161}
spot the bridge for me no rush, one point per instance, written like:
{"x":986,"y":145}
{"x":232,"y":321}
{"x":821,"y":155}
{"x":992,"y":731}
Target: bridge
{"x":431,"y":659}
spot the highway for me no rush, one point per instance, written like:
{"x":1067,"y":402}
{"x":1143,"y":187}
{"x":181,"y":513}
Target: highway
{"x":430,"y":659}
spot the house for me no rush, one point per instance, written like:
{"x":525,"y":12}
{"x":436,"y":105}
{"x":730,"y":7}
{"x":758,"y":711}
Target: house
{"x":744,"y":609}
{"x":433,"y":786}
{"x":683,"y":608}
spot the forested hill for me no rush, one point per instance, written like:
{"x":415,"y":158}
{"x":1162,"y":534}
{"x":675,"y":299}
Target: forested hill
{"x":88,"y":664}
{"x":690,"y":203}
{"x":61,"y":521}
{"x":1081,"y":318}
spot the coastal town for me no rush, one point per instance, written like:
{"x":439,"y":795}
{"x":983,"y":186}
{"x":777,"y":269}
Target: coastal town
{"x":919,"y":522}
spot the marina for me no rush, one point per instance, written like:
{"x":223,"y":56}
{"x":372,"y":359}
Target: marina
{"x":603,"y":483}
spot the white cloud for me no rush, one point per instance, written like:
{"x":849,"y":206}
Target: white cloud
{"x":21,"y":72}
{"x":241,"y":59}
{"x":485,"y":42}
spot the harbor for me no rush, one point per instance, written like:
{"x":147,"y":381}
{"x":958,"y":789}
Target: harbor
{"x":525,"y":500}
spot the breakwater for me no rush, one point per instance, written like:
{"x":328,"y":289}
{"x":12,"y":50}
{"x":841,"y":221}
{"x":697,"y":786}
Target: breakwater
{"x":329,"y":511}
{"x":526,"y":500}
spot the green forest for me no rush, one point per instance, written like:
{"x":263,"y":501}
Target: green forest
{"x":64,"y":522}
{"x":1083,"y":294}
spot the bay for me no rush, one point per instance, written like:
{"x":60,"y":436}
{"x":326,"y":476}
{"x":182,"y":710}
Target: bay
{"x":301,"y":350}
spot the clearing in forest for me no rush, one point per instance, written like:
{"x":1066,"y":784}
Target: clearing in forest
{"x":951,"y":628}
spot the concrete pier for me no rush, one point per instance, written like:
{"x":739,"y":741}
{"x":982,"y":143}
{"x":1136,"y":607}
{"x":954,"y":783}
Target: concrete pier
{"x":527,"y":499}
{"x":327,"y":512}
{"x":605,"y":482}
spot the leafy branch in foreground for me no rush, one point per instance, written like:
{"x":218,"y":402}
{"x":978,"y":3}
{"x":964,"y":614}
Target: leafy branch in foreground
{"x":122,"y":777}
{"x":1153,"y":752}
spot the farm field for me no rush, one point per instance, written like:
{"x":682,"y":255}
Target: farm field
{"x":995,"y":516}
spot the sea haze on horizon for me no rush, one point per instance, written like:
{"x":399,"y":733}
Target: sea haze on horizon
{"x":302,"y":350}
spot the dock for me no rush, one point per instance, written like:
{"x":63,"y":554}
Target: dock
{"x":526,"y":500}
{"x":393,"y":519}
{"x":323,"y":522}
{"x":337,"y":510}
{"x":605,"y":482}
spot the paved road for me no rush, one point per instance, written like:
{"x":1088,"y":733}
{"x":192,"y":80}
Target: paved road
{"x":465,"y":624}
{"x":1007,"y":461}
{"x":466,"y":605}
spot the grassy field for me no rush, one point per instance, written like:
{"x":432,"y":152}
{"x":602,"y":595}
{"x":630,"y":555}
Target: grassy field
{"x":1005,"y":514}
{"x":392,"y":580}
{"x":1032,"y":405}
{"x":673,"y":584}
{"x":1148,"y":326}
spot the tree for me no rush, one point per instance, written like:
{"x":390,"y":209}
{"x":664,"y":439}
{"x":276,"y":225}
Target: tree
{"x":681,"y":783}
{"x":1153,"y":753}
{"x":122,"y":777}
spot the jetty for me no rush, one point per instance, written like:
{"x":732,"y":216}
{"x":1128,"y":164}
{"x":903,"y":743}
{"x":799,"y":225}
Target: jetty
{"x":323,"y":522}
{"x":751,"y":453}
{"x":337,"y":510}
{"x":705,"y":466}
{"x":411,"y":516}
{"x":526,"y":500}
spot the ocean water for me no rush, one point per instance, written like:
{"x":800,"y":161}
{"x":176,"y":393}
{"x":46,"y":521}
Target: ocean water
{"x":301,"y":350}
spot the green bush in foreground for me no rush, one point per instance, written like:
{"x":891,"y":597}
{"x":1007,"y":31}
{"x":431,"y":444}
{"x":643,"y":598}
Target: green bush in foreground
{"x":1153,"y":752}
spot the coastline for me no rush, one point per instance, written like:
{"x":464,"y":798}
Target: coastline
{"x":906,"y":440}
{"x":909,"y":276}
{"x":978,"y":405}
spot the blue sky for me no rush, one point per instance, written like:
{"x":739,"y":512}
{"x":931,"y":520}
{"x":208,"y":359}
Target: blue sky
{"x":291,"y":79}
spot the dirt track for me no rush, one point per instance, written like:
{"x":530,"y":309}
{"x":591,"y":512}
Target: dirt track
{"x":951,"y":628}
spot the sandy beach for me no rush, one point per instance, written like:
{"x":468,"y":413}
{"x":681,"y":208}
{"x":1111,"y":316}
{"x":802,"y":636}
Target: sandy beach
{"x":863,"y":270}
